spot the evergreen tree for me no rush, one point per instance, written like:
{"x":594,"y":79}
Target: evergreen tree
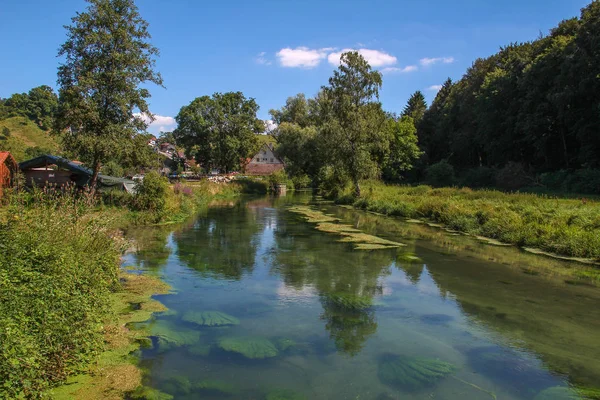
{"x":416,"y":107}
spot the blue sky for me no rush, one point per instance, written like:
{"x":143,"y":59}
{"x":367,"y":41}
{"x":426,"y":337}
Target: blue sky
{"x":270,"y":50}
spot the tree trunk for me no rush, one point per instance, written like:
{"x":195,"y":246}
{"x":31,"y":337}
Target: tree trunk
{"x":94,"y":181}
{"x":356,"y":187}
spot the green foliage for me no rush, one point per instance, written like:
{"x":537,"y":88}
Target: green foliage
{"x":440,"y":174}
{"x":416,"y":107}
{"x":583,"y":181}
{"x":534,"y":103}
{"x":148,"y":393}
{"x":210,"y":318}
{"x":480,"y":177}
{"x":280,"y":178}
{"x":58,"y":265}
{"x":39,"y":105}
{"x":350,"y":301}
{"x":412,"y":374}
{"x":150,"y":193}
{"x":113,"y":168}
{"x":568,"y":227}
{"x":512,"y":177}
{"x":107,"y":58}
{"x":219,"y":131}
{"x":169,"y":335}
{"x":351,"y":129}
{"x":249,"y":347}
{"x":404,"y":150}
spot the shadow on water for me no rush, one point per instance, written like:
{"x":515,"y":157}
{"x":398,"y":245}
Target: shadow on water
{"x":317,"y":316}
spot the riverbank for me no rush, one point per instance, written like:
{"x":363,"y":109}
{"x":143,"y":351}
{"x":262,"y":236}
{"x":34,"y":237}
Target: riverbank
{"x":565,"y":227}
{"x":64,"y":300}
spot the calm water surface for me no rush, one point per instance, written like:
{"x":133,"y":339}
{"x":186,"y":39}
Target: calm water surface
{"x":334,"y":317}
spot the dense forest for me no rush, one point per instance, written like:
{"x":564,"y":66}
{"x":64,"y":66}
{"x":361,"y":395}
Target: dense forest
{"x":532,"y":108}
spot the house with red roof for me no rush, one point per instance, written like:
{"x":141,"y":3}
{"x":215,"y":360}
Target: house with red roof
{"x":265,"y":162}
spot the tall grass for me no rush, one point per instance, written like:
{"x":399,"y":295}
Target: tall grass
{"x":568,"y":227}
{"x":58,"y":265}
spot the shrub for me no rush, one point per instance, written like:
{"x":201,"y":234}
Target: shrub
{"x":113,"y":168}
{"x":58,"y":265}
{"x":151,"y":193}
{"x":513,"y":177}
{"x":117,"y":198}
{"x":480,"y":177}
{"x":440,"y":174}
{"x":280,"y":178}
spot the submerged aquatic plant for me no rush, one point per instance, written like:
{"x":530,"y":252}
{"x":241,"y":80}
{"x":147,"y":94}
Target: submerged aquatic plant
{"x":249,"y":347}
{"x":284,"y":344}
{"x":148,"y":393}
{"x":199,"y":349}
{"x":168,"y":335}
{"x":557,"y":393}
{"x":210,"y":318}
{"x":216,"y":386}
{"x":350,"y":301}
{"x":284,"y":394}
{"x":177,"y":385}
{"x":411,"y":373}
{"x":326,"y":223}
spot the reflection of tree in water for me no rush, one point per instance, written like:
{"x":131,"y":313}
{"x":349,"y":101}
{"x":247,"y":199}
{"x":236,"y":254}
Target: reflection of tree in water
{"x":151,"y":246}
{"x":222,"y":244}
{"x":346,"y":280}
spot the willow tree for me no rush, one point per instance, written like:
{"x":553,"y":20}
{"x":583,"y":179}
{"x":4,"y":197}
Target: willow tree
{"x":354,"y":126}
{"x":107,"y":57}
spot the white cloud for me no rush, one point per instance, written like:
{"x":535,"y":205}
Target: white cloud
{"x":160,"y":123}
{"x":270,"y":126}
{"x":434,"y":88}
{"x":394,"y":70}
{"x":375,"y":58}
{"x":430,"y":61}
{"x":261,"y":59}
{"x":301,"y":57}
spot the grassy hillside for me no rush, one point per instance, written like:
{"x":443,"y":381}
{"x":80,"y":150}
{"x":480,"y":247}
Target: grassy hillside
{"x":24,"y":134}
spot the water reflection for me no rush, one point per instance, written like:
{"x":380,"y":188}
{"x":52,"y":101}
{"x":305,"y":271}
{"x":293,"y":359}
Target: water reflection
{"x":507,"y":333}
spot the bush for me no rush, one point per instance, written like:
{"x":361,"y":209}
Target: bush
{"x":151,"y":193}
{"x":481,"y":177}
{"x":301,"y":182}
{"x":280,"y":178}
{"x":513,"y":177}
{"x":583,"y":181}
{"x":117,"y":198}
{"x":58,"y":265}
{"x":440,"y":174}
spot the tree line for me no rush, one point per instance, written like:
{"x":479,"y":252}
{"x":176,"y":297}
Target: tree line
{"x":532,"y":107}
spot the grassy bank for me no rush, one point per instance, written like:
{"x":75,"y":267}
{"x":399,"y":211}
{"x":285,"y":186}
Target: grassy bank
{"x":64,"y":300}
{"x":568,"y":227}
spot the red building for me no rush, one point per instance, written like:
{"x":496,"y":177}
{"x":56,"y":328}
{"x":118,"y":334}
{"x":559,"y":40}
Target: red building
{"x":8,"y":169}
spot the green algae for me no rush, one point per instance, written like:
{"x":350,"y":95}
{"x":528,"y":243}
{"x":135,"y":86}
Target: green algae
{"x":557,"y":393}
{"x":169,"y":336}
{"x":284,"y":344}
{"x":328,"y":224}
{"x":284,"y":394}
{"x":210,"y":318}
{"x":249,"y":347}
{"x":216,"y":386}
{"x":200,"y":349}
{"x":411,"y":373}
{"x":178,"y":385}
{"x":148,"y":393}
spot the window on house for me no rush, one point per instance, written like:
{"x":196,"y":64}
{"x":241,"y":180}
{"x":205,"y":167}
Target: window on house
{"x":257,"y":159}
{"x":272,"y":160}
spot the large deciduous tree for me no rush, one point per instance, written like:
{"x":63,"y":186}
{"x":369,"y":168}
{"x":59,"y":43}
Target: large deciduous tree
{"x":107,"y":57}
{"x":219,"y":131}
{"x":353,"y":124}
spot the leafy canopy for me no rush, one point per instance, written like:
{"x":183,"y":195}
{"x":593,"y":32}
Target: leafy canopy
{"x":219,"y":131}
{"x":107,"y":57}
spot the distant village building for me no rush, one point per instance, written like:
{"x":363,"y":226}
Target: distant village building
{"x":8,"y":170}
{"x":265,"y":162}
{"x":152,"y":141}
{"x":168,"y":148}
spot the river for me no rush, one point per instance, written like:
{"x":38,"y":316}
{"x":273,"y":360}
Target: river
{"x":264,"y":306}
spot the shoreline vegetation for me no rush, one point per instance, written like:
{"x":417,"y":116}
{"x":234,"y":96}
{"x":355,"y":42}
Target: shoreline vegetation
{"x":65,"y":300}
{"x":550,"y":226}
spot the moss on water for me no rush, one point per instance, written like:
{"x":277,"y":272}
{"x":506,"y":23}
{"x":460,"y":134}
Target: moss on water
{"x":249,"y":347}
{"x":210,"y":318}
{"x":326,"y":223}
{"x":412,"y":374}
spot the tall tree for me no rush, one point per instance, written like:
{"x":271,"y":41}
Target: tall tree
{"x":404,"y":150}
{"x":107,"y":57}
{"x":416,"y":107}
{"x":353,"y":127}
{"x":219,"y":131}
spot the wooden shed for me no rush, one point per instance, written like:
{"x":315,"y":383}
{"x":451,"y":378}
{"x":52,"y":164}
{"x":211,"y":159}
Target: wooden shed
{"x":8,"y":169}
